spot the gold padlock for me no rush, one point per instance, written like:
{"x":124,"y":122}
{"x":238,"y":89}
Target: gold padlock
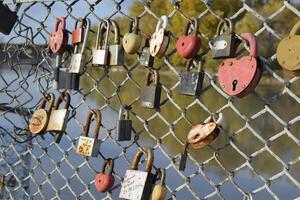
{"x":40,"y":118}
{"x":159,"y":191}
{"x":59,"y":117}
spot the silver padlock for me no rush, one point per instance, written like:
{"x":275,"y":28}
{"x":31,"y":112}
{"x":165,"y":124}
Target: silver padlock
{"x":116,"y":51}
{"x":88,"y":146}
{"x":76,"y":64}
{"x":100,"y":51}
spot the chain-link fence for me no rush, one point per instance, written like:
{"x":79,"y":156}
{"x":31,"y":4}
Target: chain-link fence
{"x":256,"y":155}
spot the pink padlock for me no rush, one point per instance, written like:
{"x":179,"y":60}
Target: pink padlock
{"x":239,"y":77}
{"x":104,"y":182}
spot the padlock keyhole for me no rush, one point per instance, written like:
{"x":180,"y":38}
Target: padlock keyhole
{"x":234,"y":84}
{"x":182,"y":44}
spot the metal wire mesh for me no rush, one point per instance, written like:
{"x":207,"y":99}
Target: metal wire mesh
{"x":256,"y":155}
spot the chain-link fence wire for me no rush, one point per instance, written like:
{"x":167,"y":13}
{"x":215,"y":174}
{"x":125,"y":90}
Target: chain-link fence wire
{"x":255,"y":156}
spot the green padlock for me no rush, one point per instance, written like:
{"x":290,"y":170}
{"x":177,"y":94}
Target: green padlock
{"x":132,"y":40}
{"x":159,"y":191}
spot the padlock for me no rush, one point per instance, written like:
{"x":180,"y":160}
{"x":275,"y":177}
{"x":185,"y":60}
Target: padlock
{"x":288,"y":51}
{"x":72,"y":81}
{"x":101,"y":51}
{"x":188,"y":45}
{"x":225,"y":43}
{"x":191,"y":82}
{"x":59,"y":37}
{"x":90,"y":146}
{"x":183,"y":157}
{"x":104,"y":182}
{"x":59,"y":117}
{"x":56,"y":70}
{"x":132,"y":40}
{"x":1,"y":187}
{"x":160,"y":39}
{"x":150,"y":94}
{"x":116,"y":51}
{"x":40,"y":118}
{"x":145,"y":57}
{"x":8,"y":18}
{"x":138,"y":184}
{"x":77,"y":33}
{"x":239,"y":77}
{"x":124,"y":124}
{"x":206,"y":132}
{"x":159,"y":191}
{"x":76,"y":64}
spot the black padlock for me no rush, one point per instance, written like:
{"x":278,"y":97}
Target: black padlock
{"x":72,"y":81}
{"x":124,"y":125}
{"x":150,"y":94}
{"x":8,"y":18}
{"x":183,"y":158}
{"x":191,"y":82}
{"x":225,"y":43}
{"x":145,"y":57}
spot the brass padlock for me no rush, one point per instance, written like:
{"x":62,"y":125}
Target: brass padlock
{"x":288,"y":51}
{"x":160,"y":39}
{"x":205,"y":132}
{"x":138,"y":184}
{"x":90,"y":146}
{"x":101,"y":51}
{"x":1,"y":187}
{"x":132,"y":40}
{"x":116,"y":51}
{"x":40,"y":118}
{"x":59,"y":117}
{"x":159,"y":191}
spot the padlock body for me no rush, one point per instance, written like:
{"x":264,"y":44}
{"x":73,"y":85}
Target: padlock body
{"x":182,"y":162}
{"x":159,"y":43}
{"x":58,"y":120}
{"x":145,"y":58}
{"x":104,"y":182}
{"x":124,"y":130}
{"x":76,"y":63}
{"x":100,"y":56}
{"x":77,"y":36}
{"x":58,"y":41}
{"x":188,"y":46}
{"x":136,"y":185}
{"x":159,"y":192}
{"x":132,"y":42}
{"x":88,"y":146}
{"x":224,"y":46}
{"x":116,"y":55}
{"x":191,"y":83}
{"x":150,"y":96}
{"x":8,"y":19}
{"x":73,"y":81}
{"x":39,"y":121}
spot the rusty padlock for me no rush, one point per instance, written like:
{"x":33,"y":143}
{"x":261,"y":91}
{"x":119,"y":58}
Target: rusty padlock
{"x":206,"y":132}
{"x":239,"y":77}
{"x":104,"y":182}
{"x":132,"y":40}
{"x":288,"y":51}
{"x":77,"y":33}
{"x":160,"y":40}
{"x":188,"y":45}
{"x":59,"y":37}
{"x":40,"y":118}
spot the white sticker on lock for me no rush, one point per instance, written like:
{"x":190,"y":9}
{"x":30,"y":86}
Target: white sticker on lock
{"x":219,"y":45}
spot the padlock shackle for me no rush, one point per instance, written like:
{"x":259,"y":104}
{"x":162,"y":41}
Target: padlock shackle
{"x":186,"y":147}
{"x":124,"y":112}
{"x":86,"y":26}
{"x":100,"y":32}
{"x":295,"y":28}
{"x":212,"y":118}
{"x":150,"y":157}
{"x":222,"y":25}
{"x":189,"y":63}
{"x":48,"y":98}
{"x":86,"y":129}
{"x":62,"y":21}
{"x":79,"y":20}
{"x":134,"y":26}
{"x":110,"y":162}
{"x":161,"y":174}
{"x":116,"y":31}
{"x":65,"y":95}
{"x":250,"y":38}
{"x":149,"y":76}
{"x":162,"y":23}
{"x":195,"y":22}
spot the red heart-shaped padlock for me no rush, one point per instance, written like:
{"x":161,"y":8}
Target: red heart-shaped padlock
{"x":238,"y":77}
{"x":188,"y":45}
{"x":104,"y":182}
{"x":59,"y":37}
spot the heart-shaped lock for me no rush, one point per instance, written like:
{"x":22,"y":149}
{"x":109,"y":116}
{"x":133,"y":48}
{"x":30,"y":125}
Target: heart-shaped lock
{"x":104,"y":182}
{"x":59,"y":37}
{"x":188,"y":45}
{"x":239,"y":77}
{"x":132,"y":40}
